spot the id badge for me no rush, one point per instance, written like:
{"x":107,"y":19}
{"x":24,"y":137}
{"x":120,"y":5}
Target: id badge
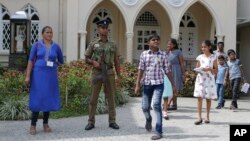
{"x":50,"y":64}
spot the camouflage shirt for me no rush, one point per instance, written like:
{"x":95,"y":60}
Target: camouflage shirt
{"x":102,"y":52}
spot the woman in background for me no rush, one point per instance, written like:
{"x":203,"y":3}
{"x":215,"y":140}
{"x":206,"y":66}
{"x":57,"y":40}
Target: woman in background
{"x":176,"y":61}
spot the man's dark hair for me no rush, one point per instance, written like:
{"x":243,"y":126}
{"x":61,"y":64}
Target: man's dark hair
{"x":154,"y":35}
{"x":230,"y":51}
{"x":221,"y":57}
{"x":222,"y":43}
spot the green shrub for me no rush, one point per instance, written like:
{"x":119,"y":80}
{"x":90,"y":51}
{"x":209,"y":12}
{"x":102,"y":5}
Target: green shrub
{"x":189,"y":83}
{"x":74,"y":88}
{"x":1,"y":70}
{"x":121,"y":96}
{"x":14,"y":108}
{"x":102,"y":105}
{"x":129,"y":75}
{"x":12,"y":82}
{"x":75,"y":91}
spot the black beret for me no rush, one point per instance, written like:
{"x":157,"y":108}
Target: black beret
{"x":103,"y":23}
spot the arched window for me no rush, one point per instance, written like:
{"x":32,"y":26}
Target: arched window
{"x":147,"y":19}
{"x":34,"y":16}
{"x":188,"y":36}
{"x":187,"y":20}
{"x":4,"y":29}
{"x":101,"y":14}
{"x":145,"y":25}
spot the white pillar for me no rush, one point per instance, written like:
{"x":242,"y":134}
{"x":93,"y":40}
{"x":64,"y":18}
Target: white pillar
{"x":129,"y":56}
{"x":175,"y":36}
{"x":82,"y":44}
{"x":220,"y":38}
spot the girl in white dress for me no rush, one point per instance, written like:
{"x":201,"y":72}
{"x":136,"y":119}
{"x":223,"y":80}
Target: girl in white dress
{"x":205,"y":87}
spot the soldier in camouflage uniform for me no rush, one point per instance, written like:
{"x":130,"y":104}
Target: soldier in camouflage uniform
{"x":103,"y":56}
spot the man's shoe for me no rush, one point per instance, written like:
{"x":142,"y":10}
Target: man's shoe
{"x":156,"y":137}
{"x":114,"y":126}
{"x":218,"y":107}
{"x":89,"y":126}
{"x":223,"y":103}
{"x":236,"y":105}
{"x":148,"y":125}
{"x":232,"y":107}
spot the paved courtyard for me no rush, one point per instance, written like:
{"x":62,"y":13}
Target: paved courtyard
{"x":131,"y":120}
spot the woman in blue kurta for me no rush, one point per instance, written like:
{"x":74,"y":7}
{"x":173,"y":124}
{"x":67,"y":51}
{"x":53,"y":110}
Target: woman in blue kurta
{"x":45,"y":55}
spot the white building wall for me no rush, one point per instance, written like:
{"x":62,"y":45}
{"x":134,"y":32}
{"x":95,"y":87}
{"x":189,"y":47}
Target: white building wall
{"x":71,"y":30}
{"x":75,"y":16}
{"x":243,"y":9}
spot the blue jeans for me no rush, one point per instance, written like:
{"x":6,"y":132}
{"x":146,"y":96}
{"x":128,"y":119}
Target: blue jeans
{"x":235,"y":85}
{"x":153,"y":92}
{"x":220,"y":94}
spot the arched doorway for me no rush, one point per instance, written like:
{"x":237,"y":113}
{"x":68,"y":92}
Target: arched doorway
{"x":188,"y":40}
{"x":100,"y":14}
{"x":145,"y":25}
{"x":117,"y":27}
{"x":4,"y":29}
{"x":196,"y":25}
{"x":35,"y":23}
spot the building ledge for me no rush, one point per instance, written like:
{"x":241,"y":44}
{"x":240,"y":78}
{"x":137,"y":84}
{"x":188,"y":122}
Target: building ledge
{"x":242,"y":22}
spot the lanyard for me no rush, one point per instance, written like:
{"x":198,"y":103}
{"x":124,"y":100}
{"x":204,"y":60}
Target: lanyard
{"x":47,"y":53}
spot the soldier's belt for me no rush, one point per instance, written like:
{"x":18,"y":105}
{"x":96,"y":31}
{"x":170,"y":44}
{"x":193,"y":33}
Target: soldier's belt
{"x":98,"y":71}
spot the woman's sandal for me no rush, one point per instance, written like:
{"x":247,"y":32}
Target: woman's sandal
{"x":207,"y":121}
{"x":165,"y":115}
{"x":32,"y":130}
{"x":46,"y":128}
{"x":198,"y":122}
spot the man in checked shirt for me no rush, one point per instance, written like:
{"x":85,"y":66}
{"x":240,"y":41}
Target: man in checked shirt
{"x":153,"y":64}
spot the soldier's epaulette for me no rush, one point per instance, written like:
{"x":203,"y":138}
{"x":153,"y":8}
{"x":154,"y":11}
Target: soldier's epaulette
{"x":92,"y":43}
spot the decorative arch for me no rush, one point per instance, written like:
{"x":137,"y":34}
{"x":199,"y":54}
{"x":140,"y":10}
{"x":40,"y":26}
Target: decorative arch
{"x":188,"y":36}
{"x":146,"y":23}
{"x":123,"y":12}
{"x":144,"y":3}
{"x":211,"y":11}
{"x":93,"y":6}
{"x":147,"y":18}
{"x":35,"y":21}
{"x":4,"y":29}
{"x":101,"y":14}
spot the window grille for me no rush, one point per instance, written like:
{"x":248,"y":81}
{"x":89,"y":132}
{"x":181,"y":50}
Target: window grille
{"x":147,"y":19}
{"x":188,"y":36}
{"x":146,"y":24}
{"x":35,"y":23}
{"x":102,"y":14}
{"x":187,"y":20}
{"x":4,"y":29}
